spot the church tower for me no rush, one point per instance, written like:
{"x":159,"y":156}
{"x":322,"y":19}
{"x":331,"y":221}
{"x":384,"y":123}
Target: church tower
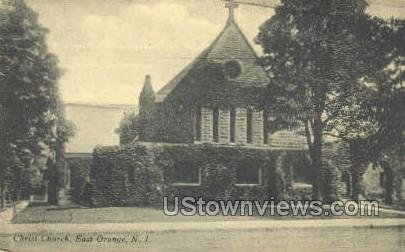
{"x":146,"y":98}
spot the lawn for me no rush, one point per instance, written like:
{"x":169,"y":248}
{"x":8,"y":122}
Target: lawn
{"x":48,"y":214}
{"x":184,"y":233}
{"x":43,"y":214}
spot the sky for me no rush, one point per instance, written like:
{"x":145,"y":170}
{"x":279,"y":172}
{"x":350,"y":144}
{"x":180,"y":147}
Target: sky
{"x":106,"y":47}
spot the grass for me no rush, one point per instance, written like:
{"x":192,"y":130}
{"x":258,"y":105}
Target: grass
{"x":48,"y":214}
{"x":106,"y":215}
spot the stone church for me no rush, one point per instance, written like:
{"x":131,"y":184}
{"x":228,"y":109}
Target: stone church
{"x":207,"y":132}
{"x":218,"y":98}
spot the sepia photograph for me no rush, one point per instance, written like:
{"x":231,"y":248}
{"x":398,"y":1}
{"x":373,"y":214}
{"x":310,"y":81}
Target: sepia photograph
{"x":202,"y":125}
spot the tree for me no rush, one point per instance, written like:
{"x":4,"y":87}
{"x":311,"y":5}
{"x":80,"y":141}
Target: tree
{"x":378,"y":117}
{"x":128,"y":129}
{"x":29,"y":94}
{"x":316,"y":52}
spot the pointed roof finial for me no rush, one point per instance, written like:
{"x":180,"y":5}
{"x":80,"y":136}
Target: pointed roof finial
{"x":147,"y":90}
{"x":231,"y":5}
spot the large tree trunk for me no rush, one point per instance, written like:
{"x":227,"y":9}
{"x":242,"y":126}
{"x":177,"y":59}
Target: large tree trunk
{"x":349,"y":184}
{"x":324,"y":188}
{"x":52,"y":184}
{"x":356,"y":185}
{"x":316,"y":191}
{"x":317,"y":164}
{"x":388,"y":184}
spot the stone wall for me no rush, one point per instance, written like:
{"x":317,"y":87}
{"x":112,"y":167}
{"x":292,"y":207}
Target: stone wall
{"x":207,"y":121}
{"x":241,"y":126}
{"x":244,"y":124}
{"x":224,"y":126}
{"x":257,"y":127}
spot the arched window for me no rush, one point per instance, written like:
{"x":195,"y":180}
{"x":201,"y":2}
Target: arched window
{"x":197,"y":124}
{"x":232,"y":125}
{"x":215,"y":125}
{"x":249,"y":126}
{"x":265,"y":128}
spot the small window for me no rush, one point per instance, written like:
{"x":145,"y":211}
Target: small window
{"x":186,"y":174}
{"x":232,"y":69}
{"x":248,"y":173}
{"x":265,"y":128}
{"x":232,"y":129}
{"x":249,"y":125}
{"x":198,"y":125}
{"x":215,"y":125}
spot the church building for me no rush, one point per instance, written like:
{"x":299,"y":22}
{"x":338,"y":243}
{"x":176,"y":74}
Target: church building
{"x":219,"y":98}
{"x":205,"y":133}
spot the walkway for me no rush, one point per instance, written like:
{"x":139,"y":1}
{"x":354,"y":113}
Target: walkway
{"x":201,"y":226}
{"x":7,"y":215}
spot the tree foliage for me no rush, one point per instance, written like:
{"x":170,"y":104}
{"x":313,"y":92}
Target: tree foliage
{"x":378,"y":118}
{"x":321,"y":55}
{"x":32,"y":116}
{"x":128,"y":130}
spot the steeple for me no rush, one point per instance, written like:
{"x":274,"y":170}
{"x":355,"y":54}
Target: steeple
{"x":231,"y":5}
{"x":147,"y":97}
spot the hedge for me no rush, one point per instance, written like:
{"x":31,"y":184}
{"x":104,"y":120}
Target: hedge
{"x":142,"y":173}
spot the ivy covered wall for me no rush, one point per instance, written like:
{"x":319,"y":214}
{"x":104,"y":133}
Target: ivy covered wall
{"x":142,"y":173}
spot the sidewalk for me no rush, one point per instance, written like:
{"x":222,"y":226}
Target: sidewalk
{"x":153,"y":223}
{"x":391,"y":211}
{"x":6,"y":215}
{"x":8,"y":228}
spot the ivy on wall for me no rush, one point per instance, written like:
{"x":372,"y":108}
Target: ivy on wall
{"x":142,"y":173}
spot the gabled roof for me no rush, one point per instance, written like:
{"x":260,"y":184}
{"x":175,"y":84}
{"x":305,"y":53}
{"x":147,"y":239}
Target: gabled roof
{"x":230,"y":44}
